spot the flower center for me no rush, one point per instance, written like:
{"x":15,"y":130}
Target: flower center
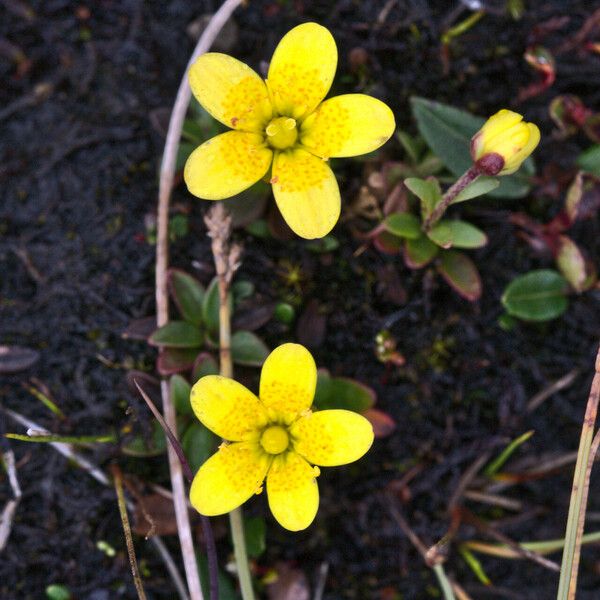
{"x":275,"y":439}
{"x":282,"y":133}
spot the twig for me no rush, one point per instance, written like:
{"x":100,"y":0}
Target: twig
{"x":493,"y":500}
{"x":137,"y":580}
{"x":466,"y":480}
{"x":167,"y":175}
{"x":556,"y":386}
{"x":321,"y":581}
{"x":438,"y":568}
{"x":99,"y":476}
{"x":6,"y":519}
{"x":567,"y":585}
{"x":227,"y":261}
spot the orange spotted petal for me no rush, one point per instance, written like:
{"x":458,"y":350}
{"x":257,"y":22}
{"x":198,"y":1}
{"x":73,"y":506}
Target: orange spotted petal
{"x":293,"y":491}
{"x":306,"y":193}
{"x":230,"y":91}
{"x":288,"y":380}
{"x":227,"y":407}
{"x":302,"y":70}
{"x":227,"y":165}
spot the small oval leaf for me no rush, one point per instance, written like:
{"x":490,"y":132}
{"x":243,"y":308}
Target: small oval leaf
{"x":465,"y":235}
{"x":419,"y":253}
{"x":180,"y":390}
{"x":403,"y":225}
{"x":248,"y":349}
{"x":188,"y":294}
{"x":461,"y":274}
{"x":536,"y":296}
{"x":481,"y":186}
{"x":177,"y":334}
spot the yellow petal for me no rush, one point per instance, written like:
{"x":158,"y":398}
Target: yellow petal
{"x":230,"y":91}
{"x":517,"y":159}
{"x":302,"y":69}
{"x":347,"y":125}
{"x":228,"y":408}
{"x":226,"y":165}
{"x":288,"y":380}
{"x":332,"y":437}
{"x":293,"y":492}
{"x":228,"y":478}
{"x":306,"y":193}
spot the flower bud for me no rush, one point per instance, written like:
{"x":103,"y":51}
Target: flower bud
{"x":503,"y":143}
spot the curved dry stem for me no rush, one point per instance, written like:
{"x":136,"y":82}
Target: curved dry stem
{"x":167,"y":174}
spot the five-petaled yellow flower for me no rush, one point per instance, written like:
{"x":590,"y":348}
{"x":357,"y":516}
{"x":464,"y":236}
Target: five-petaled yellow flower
{"x":503,"y":143}
{"x":282,"y":124}
{"x":275,"y":436}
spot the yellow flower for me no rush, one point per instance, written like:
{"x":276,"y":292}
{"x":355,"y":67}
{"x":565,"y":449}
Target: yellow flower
{"x":503,"y":143}
{"x":275,"y":436}
{"x":282,"y":124}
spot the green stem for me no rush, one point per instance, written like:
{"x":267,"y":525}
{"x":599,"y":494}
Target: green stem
{"x":444,"y":582}
{"x":570,"y":561}
{"x":236,"y":523}
{"x":221,"y":229}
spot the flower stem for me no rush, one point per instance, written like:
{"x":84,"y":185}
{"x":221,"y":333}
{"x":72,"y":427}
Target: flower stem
{"x":581,"y":480}
{"x":218,"y":223}
{"x":463,"y":181}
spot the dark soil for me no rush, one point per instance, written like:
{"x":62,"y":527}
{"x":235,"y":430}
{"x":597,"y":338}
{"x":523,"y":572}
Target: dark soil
{"x":78,"y":179}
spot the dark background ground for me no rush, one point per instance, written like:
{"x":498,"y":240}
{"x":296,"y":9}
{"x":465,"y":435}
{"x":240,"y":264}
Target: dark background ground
{"x":77,"y":178}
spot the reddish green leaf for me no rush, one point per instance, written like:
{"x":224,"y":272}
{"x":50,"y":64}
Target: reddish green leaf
{"x":388,"y":243}
{"x":248,"y":349}
{"x":175,"y":360}
{"x":461,"y":274}
{"x":383,"y":424}
{"x":205,"y":364}
{"x":404,"y":225}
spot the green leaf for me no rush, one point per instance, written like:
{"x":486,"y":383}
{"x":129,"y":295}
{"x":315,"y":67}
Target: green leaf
{"x":210,"y":306}
{"x":192,"y":132}
{"x":248,"y":349}
{"x":177,"y":334}
{"x":465,"y":235}
{"x":205,"y":364}
{"x":285,"y":313}
{"x":537,"y":296}
{"x":343,"y":393}
{"x":427,"y":190}
{"x":589,"y":160}
{"x":187,"y":294}
{"x":482,"y":185}
{"x":403,"y":225}
{"x":180,"y":390}
{"x":499,"y":461}
{"x":198,"y":444}
{"x":441,"y":234}
{"x":448,"y":131}
{"x":412,"y":146}
{"x":461,"y":274}
{"x":388,"y":243}
{"x":255,"y":530}
{"x":323,"y":245}
{"x":420,"y":252}
{"x":241,"y":290}
{"x":183,"y":153}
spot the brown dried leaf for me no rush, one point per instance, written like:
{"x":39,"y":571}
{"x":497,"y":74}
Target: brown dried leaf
{"x":291,"y":584}
{"x":311,"y":326}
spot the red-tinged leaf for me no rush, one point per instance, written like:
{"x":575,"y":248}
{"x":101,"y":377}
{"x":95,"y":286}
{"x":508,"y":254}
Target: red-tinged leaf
{"x":17,"y":358}
{"x":188,"y":294}
{"x":140,"y":329}
{"x":252,"y":316}
{"x":583,"y":197}
{"x":387,"y":243}
{"x":311,"y":325}
{"x":419,"y":253}
{"x":461,"y":274}
{"x":572,"y":263}
{"x":205,"y":364}
{"x":175,"y":360}
{"x":383,"y":424}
